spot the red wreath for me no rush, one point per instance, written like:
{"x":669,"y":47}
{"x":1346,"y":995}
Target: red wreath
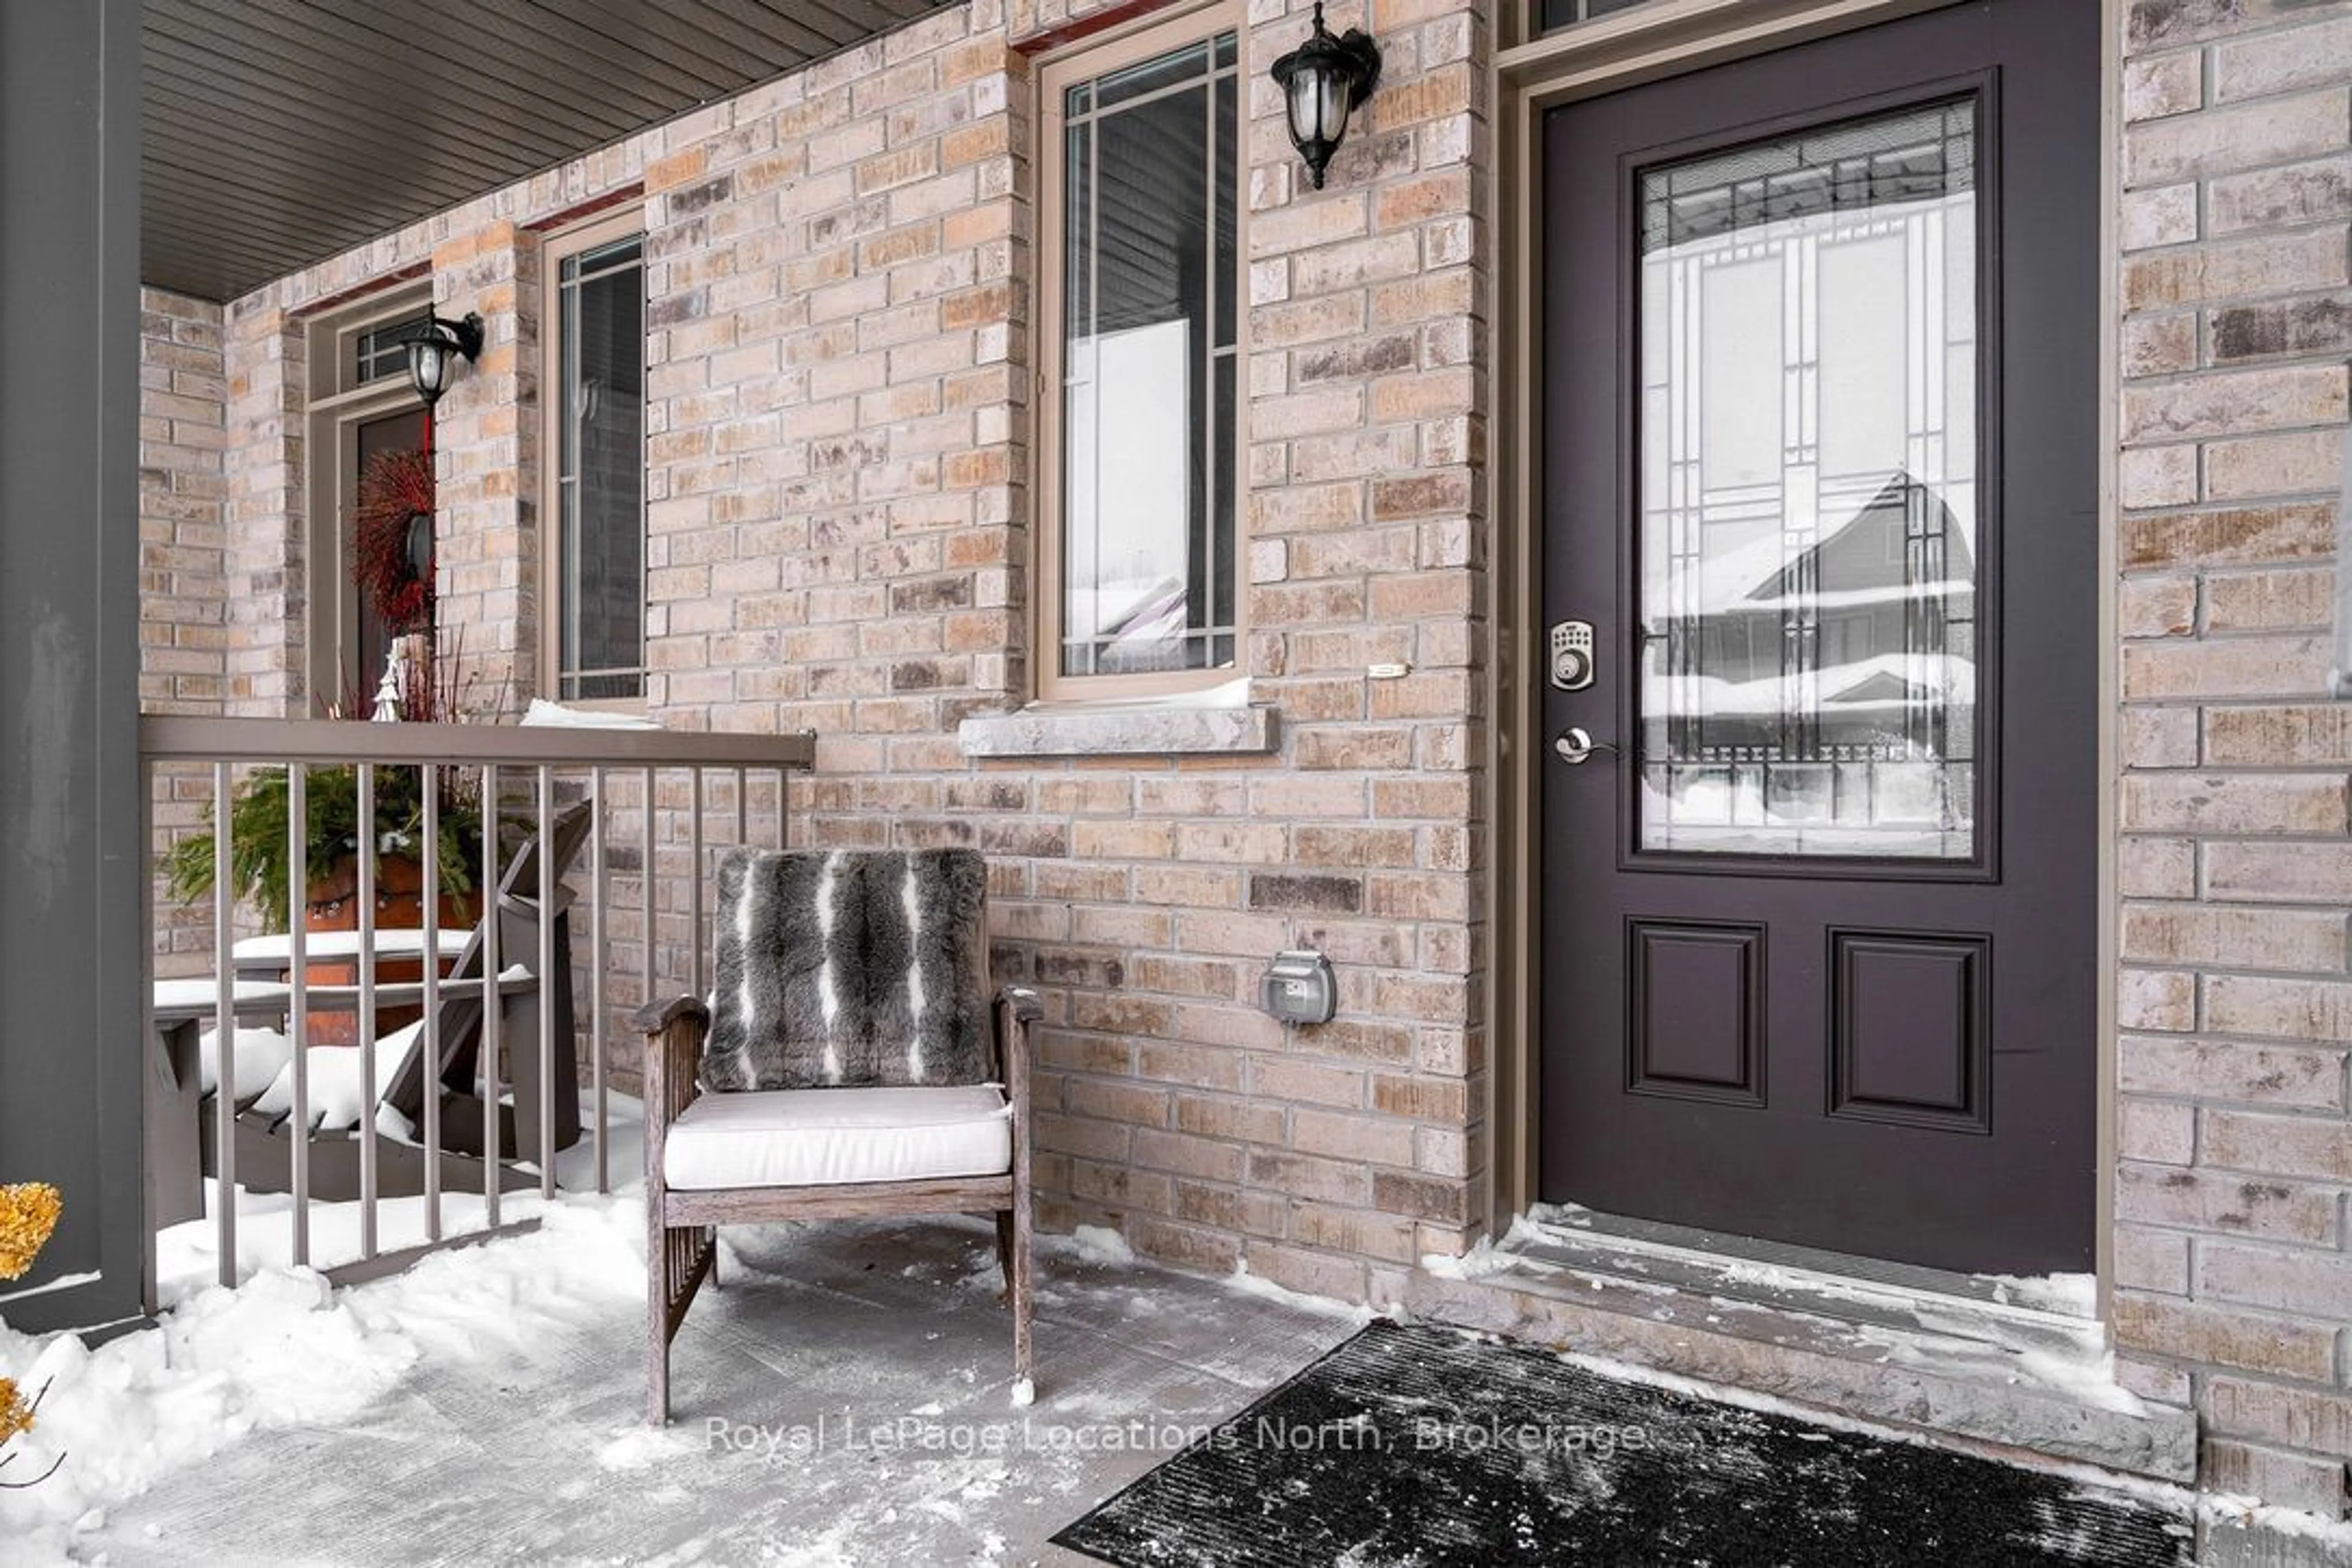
{"x":392,"y":539}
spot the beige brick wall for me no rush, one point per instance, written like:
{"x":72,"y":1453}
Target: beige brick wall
{"x":485,"y":454}
{"x":182,"y":581}
{"x":183,"y":433}
{"x":2234,"y":1281}
{"x":267,"y":550}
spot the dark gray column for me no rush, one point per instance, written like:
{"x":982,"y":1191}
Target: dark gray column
{"x":72,"y":858}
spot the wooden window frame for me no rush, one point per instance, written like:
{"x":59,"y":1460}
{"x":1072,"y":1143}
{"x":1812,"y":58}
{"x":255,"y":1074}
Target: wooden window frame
{"x":335,"y":406}
{"x":1100,"y":55}
{"x":555,"y":247}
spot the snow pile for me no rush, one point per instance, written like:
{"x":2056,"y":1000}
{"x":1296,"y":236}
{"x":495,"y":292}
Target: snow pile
{"x":286,"y":1350}
{"x":1242,"y":1282}
{"x":1094,"y":1243}
{"x":257,"y":1057}
{"x":335,"y":1098}
{"x":1490,"y":1256}
{"x":2072,"y":1295}
{"x":2229,"y":1511}
{"x":543,"y":715}
{"x":647,"y":1446}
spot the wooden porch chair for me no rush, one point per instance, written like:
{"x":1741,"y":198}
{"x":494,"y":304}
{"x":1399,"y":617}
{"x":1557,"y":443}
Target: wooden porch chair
{"x":851,"y":1063}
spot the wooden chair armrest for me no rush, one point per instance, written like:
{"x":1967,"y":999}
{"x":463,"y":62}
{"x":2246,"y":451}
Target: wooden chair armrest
{"x":655,"y":1016}
{"x":674,"y":1032}
{"x":1017,"y":1007}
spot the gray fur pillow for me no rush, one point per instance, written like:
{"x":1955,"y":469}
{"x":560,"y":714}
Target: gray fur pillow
{"x":927,"y":965}
{"x":849,"y":968}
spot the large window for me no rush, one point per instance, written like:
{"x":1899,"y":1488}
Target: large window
{"x":1139,"y":553}
{"x":594,"y":615}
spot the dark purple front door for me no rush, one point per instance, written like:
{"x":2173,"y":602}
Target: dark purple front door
{"x":1821,"y":353}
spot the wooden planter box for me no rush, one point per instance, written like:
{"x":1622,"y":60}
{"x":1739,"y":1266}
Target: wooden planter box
{"x":334,"y":906}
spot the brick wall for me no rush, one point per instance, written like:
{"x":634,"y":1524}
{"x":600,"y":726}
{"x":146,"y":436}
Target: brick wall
{"x":182,"y":582}
{"x":2235,"y":1280}
{"x":267,"y":549}
{"x":487,"y":460}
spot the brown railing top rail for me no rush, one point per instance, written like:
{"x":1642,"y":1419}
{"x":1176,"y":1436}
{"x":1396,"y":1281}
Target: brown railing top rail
{"x":177,"y":738}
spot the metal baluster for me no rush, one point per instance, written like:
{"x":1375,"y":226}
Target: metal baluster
{"x":224,"y":1030}
{"x":298,"y":934}
{"x":646,"y":884}
{"x":694,"y":885}
{"x":596,"y":970}
{"x":546,"y":1010}
{"x":490,"y":966}
{"x":430,"y":779}
{"x":368,"y":839}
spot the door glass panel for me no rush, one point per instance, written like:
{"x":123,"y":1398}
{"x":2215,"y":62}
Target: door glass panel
{"x":1808,"y":530}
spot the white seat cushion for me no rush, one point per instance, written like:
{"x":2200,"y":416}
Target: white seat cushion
{"x":824,"y":1137}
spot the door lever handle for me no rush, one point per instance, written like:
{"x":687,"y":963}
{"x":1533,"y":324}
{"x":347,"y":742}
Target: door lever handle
{"x":1575,"y":744}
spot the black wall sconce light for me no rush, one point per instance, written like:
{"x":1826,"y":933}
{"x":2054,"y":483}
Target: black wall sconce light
{"x":1321,"y":81}
{"x":433,"y":354}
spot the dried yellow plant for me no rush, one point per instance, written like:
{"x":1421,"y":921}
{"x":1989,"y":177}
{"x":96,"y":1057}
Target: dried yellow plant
{"x":15,"y":1411}
{"x":28,"y":1213}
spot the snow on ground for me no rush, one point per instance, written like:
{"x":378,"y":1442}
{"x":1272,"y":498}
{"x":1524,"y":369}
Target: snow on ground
{"x":2245,"y":1513}
{"x":1242,"y":1282}
{"x":145,"y":1419}
{"x":187,"y":1255}
{"x":1094,"y":1244}
{"x":287,"y":1350}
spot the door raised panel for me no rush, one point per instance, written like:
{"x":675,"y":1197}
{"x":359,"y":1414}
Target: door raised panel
{"x":1696,"y":996}
{"x":1909,"y":1032}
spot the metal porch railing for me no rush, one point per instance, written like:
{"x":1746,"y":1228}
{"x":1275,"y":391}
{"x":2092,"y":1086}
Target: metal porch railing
{"x":658,"y":803}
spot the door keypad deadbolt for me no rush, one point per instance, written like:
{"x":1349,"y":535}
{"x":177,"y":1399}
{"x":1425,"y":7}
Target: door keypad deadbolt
{"x":1571,"y":655}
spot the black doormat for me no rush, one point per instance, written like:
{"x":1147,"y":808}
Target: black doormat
{"x":1423,"y":1446}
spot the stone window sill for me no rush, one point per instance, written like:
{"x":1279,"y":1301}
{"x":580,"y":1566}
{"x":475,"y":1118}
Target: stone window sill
{"x":1164,"y":726}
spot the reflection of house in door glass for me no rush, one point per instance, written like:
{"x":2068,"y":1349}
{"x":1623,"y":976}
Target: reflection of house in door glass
{"x":1808,"y":558}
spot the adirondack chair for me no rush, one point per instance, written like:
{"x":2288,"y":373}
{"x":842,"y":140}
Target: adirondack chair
{"x":265,"y":1138}
{"x":851,"y":1063}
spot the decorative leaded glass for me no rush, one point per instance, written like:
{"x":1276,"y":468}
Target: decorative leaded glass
{"x":1150,"y":386}
{"x":1810,"y":532}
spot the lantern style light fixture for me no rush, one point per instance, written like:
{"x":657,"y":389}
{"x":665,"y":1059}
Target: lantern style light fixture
{"x":433,"y":354}
{"x":1321,"y":81}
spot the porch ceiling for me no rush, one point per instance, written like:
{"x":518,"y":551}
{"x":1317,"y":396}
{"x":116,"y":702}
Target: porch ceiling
{"x":277,"y":133}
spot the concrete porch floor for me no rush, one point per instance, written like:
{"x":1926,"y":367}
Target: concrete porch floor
{"x":791,"y":1384}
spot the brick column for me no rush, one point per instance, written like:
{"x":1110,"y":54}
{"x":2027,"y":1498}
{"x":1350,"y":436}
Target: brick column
{"x":2234,"y":1281}
{"x":182,"y":571}
{"x":488,"y":465}
{"x":267,"y":544}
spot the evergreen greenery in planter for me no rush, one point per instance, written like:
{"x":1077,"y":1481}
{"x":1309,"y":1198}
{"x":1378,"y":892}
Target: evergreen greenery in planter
{"x":259,"y":821}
